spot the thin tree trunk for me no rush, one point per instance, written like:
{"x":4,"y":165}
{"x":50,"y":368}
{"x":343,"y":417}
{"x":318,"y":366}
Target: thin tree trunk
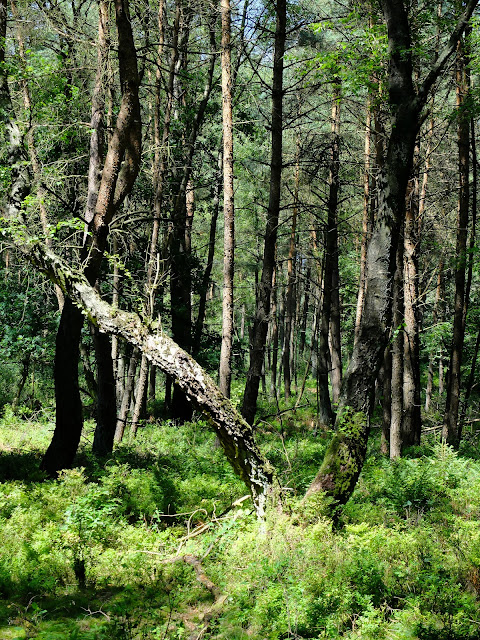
{"x":365,"y":217}
{"x":21,"y":382}
{"x":225,"y":370}
{"x":450,"y":431}
{"x":127,"y":396}
{"x":332,"y":249}
{"x":386,"y":402}
{"x":262,"y":312}
{"x":290,"y":301}
{"x":32,"y":149}
{"x":411,"y":423}
{"x":397,"y":358}
{"x":106,"y":397}
{"x":209,"y":264}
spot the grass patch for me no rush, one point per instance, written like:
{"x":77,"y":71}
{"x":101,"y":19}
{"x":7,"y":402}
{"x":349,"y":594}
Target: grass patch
{"x":99,"y":552}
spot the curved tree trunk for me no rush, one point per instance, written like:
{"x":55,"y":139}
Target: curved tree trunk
{"x":234,"y":433}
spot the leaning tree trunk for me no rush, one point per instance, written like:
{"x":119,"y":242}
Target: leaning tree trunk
{"x":234,"y":433}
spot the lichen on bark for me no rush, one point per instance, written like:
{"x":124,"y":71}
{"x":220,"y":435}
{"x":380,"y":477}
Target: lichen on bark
{"x":344,"y":458}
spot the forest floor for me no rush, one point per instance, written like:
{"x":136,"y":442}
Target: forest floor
{"x":158,"y":543}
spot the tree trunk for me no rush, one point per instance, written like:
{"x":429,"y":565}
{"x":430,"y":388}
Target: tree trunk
{"x":396,"y":439}
{"x":332,"y":248}
{"x":202,"y":304}
{"x":262,"y":312}
{"x":411,"y":423}
{"x":450,"y":431}
{"x":234,"y":433}
{"x":225,"y":370}
{"x":346,"y":453}
{"x":21,"y":382}
{"x":68,"y":414}
{"x":106,"y":397}
{"x":127,"y":397}
{"x":290,"y":305}
{"x":386,"y":402}
{"x":116,"y":182}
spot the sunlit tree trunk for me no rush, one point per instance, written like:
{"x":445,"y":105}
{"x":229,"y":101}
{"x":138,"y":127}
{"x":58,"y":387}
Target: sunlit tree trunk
{"x":290,"y":302}
{"x":225,"y":370}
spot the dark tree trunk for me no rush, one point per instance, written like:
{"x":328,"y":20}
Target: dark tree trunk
{"x":262,"y":312}
{"x":68,"y":416}
{"x":106,"y":396}
{"x":21,"y":382}
{"x":450,"y":432}
{"x":346,"y":453}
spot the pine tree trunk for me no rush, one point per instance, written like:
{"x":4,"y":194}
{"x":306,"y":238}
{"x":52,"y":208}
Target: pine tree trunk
{"x":225,"y":370}
{"x":262,"y":312}
{"x":450,"y":431}
{"x":396,"y":436}
{"x":411,"y":424}
{"x":290,"y":305}
{"x":332,"y":248}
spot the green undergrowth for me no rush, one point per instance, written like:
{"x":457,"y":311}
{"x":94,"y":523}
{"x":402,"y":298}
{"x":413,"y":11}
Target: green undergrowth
{"x":100,"y":552}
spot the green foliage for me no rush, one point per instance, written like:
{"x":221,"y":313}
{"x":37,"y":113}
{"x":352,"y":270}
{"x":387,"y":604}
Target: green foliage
{"x":98,"y":552}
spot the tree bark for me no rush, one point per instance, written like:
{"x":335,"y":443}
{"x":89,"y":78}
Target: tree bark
{"x":225,"y":370}
{"x":397,"y":358}
{"x":411,"y":423}
{"x":346,"y":453}
{"x":450,"y":431}
{"x":234,"y":433}
{"x":290,"y":302}
{"x":262,"y":312}
{"x":120,"y":169}
{"x":332,"y":248}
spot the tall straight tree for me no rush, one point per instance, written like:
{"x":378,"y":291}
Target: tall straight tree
{"x":262,"y":311}
{"x":346,"y":453}
{"x":450,"y":432}
{"x":225,"y":371}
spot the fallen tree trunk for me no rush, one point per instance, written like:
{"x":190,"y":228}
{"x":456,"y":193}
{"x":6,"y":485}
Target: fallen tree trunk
{"x":234,"y":433}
